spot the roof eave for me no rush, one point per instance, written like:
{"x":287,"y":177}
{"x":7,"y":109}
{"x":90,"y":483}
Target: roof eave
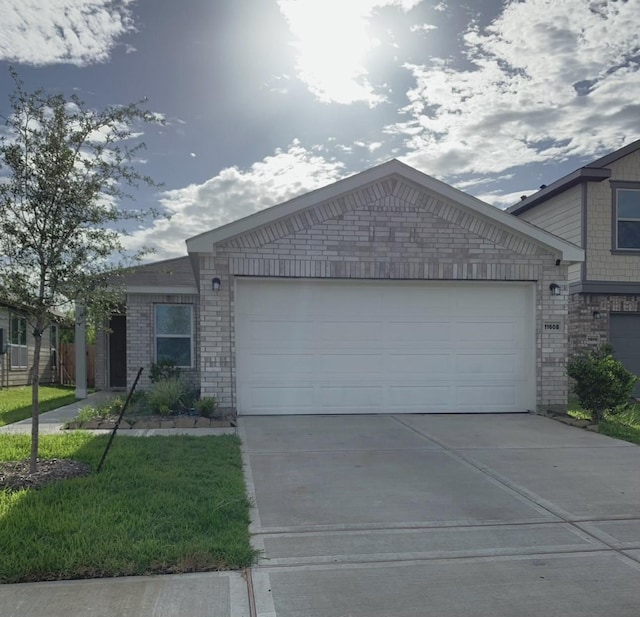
{"x":584,"y":174}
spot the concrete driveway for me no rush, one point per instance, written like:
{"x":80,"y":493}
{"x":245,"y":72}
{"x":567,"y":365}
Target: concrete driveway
{"x":405,"y":516}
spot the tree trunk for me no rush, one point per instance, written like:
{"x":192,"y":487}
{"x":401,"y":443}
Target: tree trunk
{"x":35,"y":403}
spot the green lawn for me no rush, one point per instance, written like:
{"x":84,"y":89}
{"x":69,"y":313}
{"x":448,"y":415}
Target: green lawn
{"x":160,"y":505}
{"x":15,"y":403}
{"x":625,"y":425}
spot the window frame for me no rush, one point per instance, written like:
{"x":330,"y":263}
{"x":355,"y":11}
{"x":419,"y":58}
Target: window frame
{"x":18,"y":346}
{"x":617,"y":186}
{"x":191,"y":335}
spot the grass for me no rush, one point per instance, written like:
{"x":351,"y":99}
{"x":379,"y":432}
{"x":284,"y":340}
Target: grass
{"x":160,"y":505}
{"x":625,"y":425}
{"x":15,"y":403}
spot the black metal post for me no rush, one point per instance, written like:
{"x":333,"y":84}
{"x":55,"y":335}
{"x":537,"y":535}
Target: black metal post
{"x":115,"y":428}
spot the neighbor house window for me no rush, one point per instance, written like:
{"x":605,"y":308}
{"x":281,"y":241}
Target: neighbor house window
{"x":174,"y":334}
{"x":628,"y":218}
{"x":18,"y":342}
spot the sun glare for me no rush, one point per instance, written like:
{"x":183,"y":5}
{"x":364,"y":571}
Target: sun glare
{"x":332,"y":42}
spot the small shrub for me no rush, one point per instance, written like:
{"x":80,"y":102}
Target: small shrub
{"x":163,"y":371}
{"x":602,"y":384}
{"x":190,"y":397}
{"x":86,"y":413}
{"x":138,"y":404}
{"x":167,"y":395}
{"x":206,"y":406}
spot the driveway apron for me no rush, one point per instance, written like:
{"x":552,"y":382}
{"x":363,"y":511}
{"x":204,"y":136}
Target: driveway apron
{"x":464,"y":515}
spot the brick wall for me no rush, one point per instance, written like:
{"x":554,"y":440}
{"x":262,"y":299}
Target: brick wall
{"x":586,"y":332}
{"x":388,"y":230}
{"x":140,"y":335}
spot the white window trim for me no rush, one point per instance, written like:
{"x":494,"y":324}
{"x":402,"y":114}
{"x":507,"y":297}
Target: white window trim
{"x":13,"y":345}
{"x":180,"y":336}
{"x":619,"y":219}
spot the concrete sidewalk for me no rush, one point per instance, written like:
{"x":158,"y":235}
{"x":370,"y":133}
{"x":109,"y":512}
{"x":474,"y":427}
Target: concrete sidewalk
{"x":53,"y":421}
{"x":209,"y":594}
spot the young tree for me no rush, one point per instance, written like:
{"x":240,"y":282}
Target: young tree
{"x":64,"y":169}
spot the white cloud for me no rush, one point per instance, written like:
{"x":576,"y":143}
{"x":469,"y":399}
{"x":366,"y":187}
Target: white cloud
{"x":232,"y":194}
{"x":332,"y":43}
{"x":544,"y":81}
{"x":503,"y":200}
{"x":78,"y":32}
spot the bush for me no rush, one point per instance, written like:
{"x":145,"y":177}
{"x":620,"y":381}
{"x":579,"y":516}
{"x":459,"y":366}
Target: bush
{"x":163,"y":371}
{"x":602,"y":384}
{"x":206,"y":406}
{"x":88,"y":412}
{"x":167,"y":395}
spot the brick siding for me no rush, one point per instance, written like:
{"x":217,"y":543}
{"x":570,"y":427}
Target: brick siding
{"x":387,"y":230}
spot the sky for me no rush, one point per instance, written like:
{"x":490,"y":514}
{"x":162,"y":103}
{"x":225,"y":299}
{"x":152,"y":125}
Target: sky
{"x":264,"y":100}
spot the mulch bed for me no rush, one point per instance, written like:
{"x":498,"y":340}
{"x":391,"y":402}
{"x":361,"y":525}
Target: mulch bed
{"x":15,"y":475}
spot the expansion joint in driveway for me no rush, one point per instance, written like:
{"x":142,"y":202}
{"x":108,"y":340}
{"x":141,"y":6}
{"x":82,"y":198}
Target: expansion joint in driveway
{"x":523,"y":493}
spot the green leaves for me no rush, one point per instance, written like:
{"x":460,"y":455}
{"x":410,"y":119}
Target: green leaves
{"x":67,"y":168}
{"x":602,"y":384}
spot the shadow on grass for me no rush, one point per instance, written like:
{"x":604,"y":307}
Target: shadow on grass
{"x":160,"y":505}
{"x":24,"y":411}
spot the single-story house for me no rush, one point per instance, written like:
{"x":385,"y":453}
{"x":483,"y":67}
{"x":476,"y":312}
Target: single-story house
{"x":16,"y":350}
{"x":386,"y":292}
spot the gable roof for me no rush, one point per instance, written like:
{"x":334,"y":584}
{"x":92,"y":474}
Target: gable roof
{"x":204,"y":243}
{"x":596,"y":171}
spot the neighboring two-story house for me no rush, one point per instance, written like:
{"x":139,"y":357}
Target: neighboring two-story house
{"x":597,"y":207}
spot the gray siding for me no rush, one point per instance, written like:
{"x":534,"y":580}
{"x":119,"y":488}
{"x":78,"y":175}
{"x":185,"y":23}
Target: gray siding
{"x":562,"y":216}
{"x":22,"y":376}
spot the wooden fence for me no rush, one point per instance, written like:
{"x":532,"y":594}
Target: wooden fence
{"x":67,"y":363}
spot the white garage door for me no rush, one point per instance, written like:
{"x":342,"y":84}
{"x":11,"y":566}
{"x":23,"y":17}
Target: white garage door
{"x":328,"y":347}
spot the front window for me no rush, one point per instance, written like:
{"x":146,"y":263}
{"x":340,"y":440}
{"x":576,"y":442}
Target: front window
{"x":18,"y":342}
{"x":174,"y":334}
{"x":628,"y":218}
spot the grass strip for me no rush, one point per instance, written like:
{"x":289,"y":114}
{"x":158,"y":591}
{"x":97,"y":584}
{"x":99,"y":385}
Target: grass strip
{"x":160,"y":505}
{"x":15,"y":403}
{"x":625,"y":425}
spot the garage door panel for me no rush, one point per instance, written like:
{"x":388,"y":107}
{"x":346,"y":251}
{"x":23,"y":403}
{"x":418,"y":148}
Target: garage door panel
{"x":351,"y":366}
{"x":269,"y":364}
{"x":405,"y":398}
{"x":422,"y":364}
{"x":624,"y":337}
{"x":414,"y":303}
{"x":501,"y":302}
{"x":418,"y":333}
{"x":492,"y":333}
{"x":480,"y":396}
{"x":383,"y":347}
{"x":351,"y":397}
{"x":280,"y":398}
{"x":345,"y":332}
{"x":263,"y":332}
{"x":505,"y":365}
